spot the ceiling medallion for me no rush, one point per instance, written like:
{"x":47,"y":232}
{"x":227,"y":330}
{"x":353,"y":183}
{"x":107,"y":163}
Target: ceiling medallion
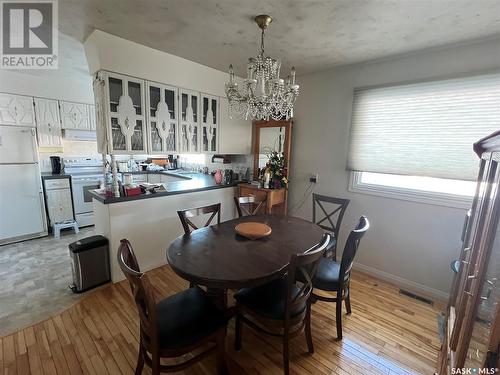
{"x":264,"y":94}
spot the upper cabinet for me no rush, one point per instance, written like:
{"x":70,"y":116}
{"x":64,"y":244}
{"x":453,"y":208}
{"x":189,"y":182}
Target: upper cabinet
{"x":48,"y":123}
{"x":161,"y":103}
{"x":189,"y":121}
{"x":209,"y":129}
{"x":16,"y":110}
{"x":235,"y":135}
{"x":92,"y":118}
{"x":75,"y":116}
{"x":126,"y":122}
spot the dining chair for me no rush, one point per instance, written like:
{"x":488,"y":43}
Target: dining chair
{"x":247,"y":206}
{"x":174,"y":326}
{"x":186,"y":215}
{"x":335,"y":276}
{"x":282,"y":307}
{"x":332,"y":208}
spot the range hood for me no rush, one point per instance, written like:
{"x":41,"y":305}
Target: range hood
{"x":79,"y":135}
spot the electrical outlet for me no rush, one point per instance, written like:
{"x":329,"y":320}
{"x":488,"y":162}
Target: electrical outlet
{"x":313,"y":178}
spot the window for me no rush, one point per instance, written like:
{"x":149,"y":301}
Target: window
{"x":441,"y":191}
{"x":415,"y":140}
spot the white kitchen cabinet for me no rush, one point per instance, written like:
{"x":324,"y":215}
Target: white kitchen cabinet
{"x":162,"y":107}
{"x":48,"y":124}
{"x":126,"y":118}
{"x":189,"y":122}
{"x":16,"y":110}
{"x":74,"y":116}
{"x":209,"y":129}
{"x":235,"y":135}
{"x":92,"y":119}
{"x":58,"y":200}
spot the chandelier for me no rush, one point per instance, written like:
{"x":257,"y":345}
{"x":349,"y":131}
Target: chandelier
{"x":264,"y":94}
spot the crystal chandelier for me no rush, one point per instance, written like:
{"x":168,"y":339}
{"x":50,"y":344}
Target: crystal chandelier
{"x":264,"y":94}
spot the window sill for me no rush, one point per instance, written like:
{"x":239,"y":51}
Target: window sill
{"x":411,"y":195}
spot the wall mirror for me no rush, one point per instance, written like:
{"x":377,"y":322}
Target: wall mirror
{"x":270,"y":136}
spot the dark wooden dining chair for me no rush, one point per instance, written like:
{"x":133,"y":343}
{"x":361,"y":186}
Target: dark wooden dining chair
{"x":282,"y":307}
{"x":174,"y":326}
{"x":247,"y":206}
{"x":333,"y":210}
{"x":186,"y":215}
{"x":335,"y":276}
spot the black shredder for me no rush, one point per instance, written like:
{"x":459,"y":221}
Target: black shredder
{"x":90,"y":263}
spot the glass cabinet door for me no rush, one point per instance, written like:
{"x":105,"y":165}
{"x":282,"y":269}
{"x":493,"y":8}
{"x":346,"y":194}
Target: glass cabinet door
{"x":478,"y":299}
{"x":189,"y":121}
{"x":126,"y":108}
{"x":209,"y":123}
{"x":162,"y":117}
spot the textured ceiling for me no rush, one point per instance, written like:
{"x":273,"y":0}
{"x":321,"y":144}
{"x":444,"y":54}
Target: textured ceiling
{"x":310,"y":34}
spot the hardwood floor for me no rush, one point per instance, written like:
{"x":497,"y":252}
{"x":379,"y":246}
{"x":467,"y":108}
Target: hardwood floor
{"x":387,"y":333}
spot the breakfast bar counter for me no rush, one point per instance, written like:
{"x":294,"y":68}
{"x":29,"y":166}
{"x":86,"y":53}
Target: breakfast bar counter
{"x":150,"y":221}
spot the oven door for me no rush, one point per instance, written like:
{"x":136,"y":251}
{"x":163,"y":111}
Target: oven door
{"x":81,"y":196}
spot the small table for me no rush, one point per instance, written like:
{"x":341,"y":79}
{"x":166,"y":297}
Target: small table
{"x":276,"y":199}
{"x":220,"y":259}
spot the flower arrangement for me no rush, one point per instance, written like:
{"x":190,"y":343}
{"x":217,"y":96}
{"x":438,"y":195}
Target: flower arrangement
{"x":277,"y":170}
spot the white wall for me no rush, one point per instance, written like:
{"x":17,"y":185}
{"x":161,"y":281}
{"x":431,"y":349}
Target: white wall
{"x":413,"y":242}
{"x":109,"y":52}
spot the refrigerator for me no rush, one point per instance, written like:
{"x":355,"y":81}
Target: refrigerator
{"x":22,"y":207}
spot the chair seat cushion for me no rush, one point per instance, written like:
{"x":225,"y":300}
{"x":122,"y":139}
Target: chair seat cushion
{"x":327,"y":275}
{"x":186,"y":318}
{"x":269,"y":300}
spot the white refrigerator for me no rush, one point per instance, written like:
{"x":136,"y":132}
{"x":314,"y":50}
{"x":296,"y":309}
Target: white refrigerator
{"x":22,"y":207}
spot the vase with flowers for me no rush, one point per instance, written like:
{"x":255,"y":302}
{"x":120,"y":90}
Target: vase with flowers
{"x":277,"y":171}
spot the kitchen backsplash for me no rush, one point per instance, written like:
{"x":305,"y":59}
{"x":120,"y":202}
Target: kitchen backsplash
{"x":70,"y":149}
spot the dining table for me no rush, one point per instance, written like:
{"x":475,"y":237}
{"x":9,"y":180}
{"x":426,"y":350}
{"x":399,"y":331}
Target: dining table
{"x":219,"y":259}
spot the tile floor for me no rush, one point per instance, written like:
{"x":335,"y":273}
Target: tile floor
{"x":34,"y":279}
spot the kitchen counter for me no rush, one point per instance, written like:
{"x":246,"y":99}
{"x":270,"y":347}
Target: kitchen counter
{"x":50,"y":175}
{"x":190,"y":183}
{"x":151,"y":224}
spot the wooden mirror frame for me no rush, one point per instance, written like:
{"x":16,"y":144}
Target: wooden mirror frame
{"x":257,"y":125}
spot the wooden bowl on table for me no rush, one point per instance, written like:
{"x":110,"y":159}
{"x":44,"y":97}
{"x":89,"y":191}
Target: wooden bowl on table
{"x":253,"y":230}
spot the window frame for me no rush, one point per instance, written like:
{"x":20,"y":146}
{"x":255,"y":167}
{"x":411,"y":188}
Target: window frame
{"x":407,"y":194}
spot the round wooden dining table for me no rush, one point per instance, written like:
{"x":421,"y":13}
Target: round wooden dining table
{"x":220,"y":259}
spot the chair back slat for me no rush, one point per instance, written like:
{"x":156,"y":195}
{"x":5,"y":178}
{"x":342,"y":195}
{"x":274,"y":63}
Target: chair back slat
{"x":185,"y":215}
{"x":306,"y":265}
{"x":328,"y":222}
{"x":351,"y":248}
{"x":141,"y":288}
{"x":248,"y":206}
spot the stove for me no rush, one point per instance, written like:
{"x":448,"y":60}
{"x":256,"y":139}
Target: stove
{"x":86,"y":175}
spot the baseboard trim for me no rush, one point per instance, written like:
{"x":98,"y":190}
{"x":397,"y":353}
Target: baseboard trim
{"x":434,"y":294}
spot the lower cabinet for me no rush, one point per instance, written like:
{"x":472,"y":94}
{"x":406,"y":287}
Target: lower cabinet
{"x":58,"y":200}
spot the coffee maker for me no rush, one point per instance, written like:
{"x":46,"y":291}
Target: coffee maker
{"x":56,"y":164}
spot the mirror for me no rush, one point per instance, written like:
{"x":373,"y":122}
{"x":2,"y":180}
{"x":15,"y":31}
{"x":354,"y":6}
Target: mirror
{"x":269,"y":137}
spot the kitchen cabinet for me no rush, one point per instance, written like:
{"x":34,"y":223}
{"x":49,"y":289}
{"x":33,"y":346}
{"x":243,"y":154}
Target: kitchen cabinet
{"x":126,"y":117}
{"x":162,"y":106}
{"x":48,"y":124}
{"x":74,"y":116}
{"x":209,"y":129}
{"x":235,"y":135}
{"x":58,"y":200}
{"x":16,"y":110}
{"x":189,"y":121}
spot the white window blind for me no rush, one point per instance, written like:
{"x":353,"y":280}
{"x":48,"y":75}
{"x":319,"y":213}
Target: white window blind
{"x":424,"y":129}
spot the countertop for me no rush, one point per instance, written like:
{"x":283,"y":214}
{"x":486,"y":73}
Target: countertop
{"x":53,"y":176}
{"x":192,"y":182}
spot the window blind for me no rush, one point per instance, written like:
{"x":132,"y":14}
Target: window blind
{"x":424,"y":129}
